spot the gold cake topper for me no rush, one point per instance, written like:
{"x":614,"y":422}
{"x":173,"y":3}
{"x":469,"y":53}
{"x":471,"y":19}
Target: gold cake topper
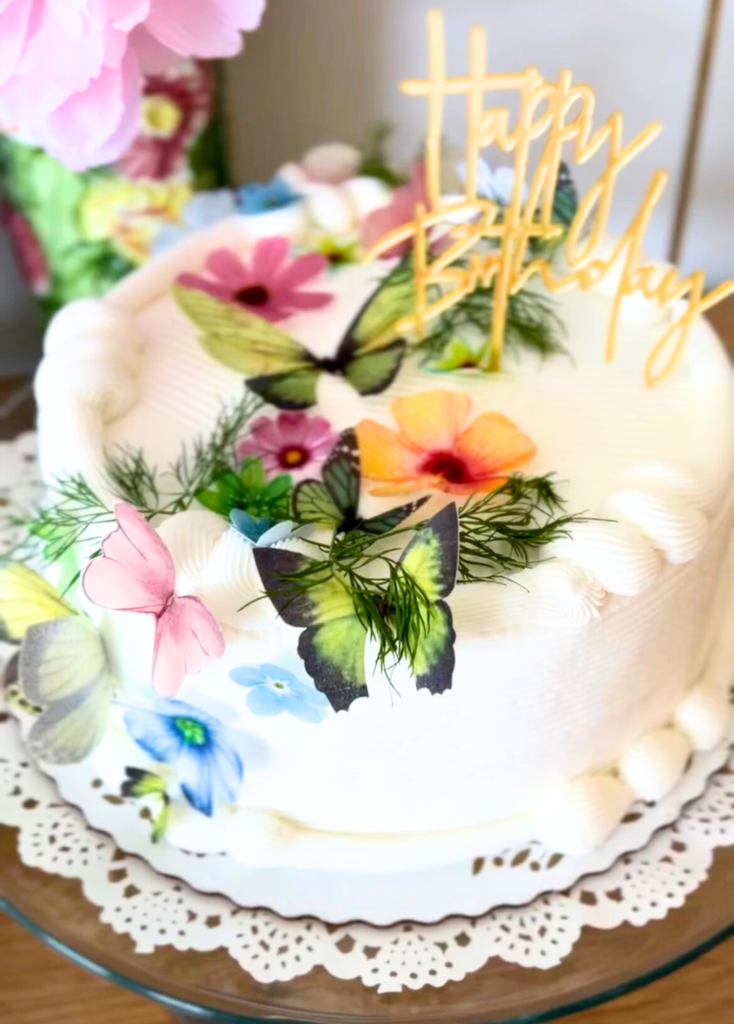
{"x":559,"y":113}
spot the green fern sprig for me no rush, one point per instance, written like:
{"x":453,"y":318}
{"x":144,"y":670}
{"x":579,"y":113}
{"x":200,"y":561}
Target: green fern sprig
{"x":74,"y":511}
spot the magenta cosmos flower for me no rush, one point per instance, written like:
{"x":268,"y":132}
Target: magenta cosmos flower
{"x":291,"y":443}
{"x":271,"y":285}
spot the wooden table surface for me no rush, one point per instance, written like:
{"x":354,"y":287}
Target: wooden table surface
{"x":37,"y":986}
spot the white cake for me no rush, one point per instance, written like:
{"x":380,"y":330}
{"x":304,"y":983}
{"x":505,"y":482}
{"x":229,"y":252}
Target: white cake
{"x":580,"y":685}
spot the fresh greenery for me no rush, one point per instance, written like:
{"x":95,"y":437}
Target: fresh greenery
{"x":500,"y":534}
{"x":75,"y":510}
{"x":375,"y":163}
{"x":531,"y":323}
{"x":250,"y":490}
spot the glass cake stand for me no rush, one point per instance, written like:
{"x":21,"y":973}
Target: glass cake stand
{"x":211,"y":986}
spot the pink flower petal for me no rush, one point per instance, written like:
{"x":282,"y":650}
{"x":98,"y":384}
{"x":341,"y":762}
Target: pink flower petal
{"x":94,"y":127}
{"x":196,"y":29}
{"x":230,"y":270}
{"x":301,"y":271}
{"x":292,"y":428}
{"x":267,"y":433}
{"x":15,"y":19}
{"x":154,"y":57}
{"x":274,"y":312}
{"x":306,"y":300}
{"x":269,"y":254}
{"x":202,"y":284}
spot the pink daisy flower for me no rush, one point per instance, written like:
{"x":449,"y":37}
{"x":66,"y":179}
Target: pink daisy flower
{"x":291,"y":443}
{"x":271,"y":285}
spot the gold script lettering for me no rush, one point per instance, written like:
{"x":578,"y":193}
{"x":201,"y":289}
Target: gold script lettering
{"x":558,"y":113}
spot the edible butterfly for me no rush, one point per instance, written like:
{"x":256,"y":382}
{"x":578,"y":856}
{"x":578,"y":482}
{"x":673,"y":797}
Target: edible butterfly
{"x":282,"y":370}
{"x":334,"y":500}
{"x":566,"y":198}
{"x":135,"y":573}
{"x":26,"y":599}
{"x":332,"y":644}
{"x":63,"y":668}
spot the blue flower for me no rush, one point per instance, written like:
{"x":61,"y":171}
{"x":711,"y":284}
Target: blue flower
{"x":203,"y":210}
{"x":497,"y":185}
{"x":262,"y":533}
{"x":208,"y":767}
{"x":273,"y":690}
{"x":264,"y":198}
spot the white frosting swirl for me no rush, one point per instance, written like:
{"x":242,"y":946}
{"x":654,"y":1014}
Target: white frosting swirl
{"x":616,"y":554}
{"x":553,"y":594}
{"x":655,"y":763}
{"x":231,"y":582}
{"x":579,"y":815}
{"x":191,"y":538}
{"x":703,"y":716}
{"x":674,"y":481}
{"x":676,"y":529}
{"x":93,"y":352}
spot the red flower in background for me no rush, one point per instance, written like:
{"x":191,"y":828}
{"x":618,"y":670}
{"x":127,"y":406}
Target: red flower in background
{"x":176,"y":108}
{"x":28,"y":251}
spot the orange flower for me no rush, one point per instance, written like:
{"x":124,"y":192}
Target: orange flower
{"x":435,"y":450}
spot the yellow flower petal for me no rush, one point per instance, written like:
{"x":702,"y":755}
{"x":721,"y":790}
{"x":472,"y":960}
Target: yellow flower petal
{"x":432,"y":420}
{"x":492,"y":445}
{"x":384,"y":455}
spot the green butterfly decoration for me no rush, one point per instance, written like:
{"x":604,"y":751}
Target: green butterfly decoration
{"x":334,"y":500}
{"x":282,"y":370}
{"x":566,"y":199}
{"x":150,"y":789}
{"x":311,"y":596}
{"x":250,"y":490}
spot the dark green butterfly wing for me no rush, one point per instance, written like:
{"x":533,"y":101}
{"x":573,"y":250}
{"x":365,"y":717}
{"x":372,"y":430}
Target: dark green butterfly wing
{"x":372,"y":328}
{"x":293,"y":390}
{"x":334,"y":656}
{"x":566,"y":199}
{"x":333,"y":500}
{"x":332,"y":645}
{"x":432,"y":559}
{"x":434,"y":660}
{"x":372,"y":372}
{"x":312,"y":503}
{"x":386,"y":521}
{"x":341,"y":476}
{"x":371,"y":353}
{"x":303,"y":591}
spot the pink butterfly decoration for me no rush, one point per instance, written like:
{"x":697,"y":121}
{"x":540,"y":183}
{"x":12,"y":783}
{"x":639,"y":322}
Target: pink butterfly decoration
{"x":135,"y":573}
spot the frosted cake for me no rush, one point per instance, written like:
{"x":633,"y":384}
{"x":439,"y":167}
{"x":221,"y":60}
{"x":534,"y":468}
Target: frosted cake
{"x":335,"y":596}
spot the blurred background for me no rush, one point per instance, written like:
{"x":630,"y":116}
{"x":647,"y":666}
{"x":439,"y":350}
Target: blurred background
{"x":328,"y":70}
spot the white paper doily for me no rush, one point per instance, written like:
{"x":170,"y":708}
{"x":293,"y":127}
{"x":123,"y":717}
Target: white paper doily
{"x":159,"y":911}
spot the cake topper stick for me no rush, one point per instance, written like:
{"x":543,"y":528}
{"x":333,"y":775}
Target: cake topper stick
{"x":486,"y":244}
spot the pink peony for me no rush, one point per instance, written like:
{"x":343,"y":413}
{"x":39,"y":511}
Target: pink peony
{"x":292,"y":443}
{"x":71,"y":71}
{"x":271,"y":286}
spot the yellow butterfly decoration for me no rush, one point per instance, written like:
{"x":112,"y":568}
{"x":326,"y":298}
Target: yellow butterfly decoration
{"x":63,"y":666}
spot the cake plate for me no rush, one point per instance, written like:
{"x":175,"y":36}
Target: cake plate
{"x":211,"y":986}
